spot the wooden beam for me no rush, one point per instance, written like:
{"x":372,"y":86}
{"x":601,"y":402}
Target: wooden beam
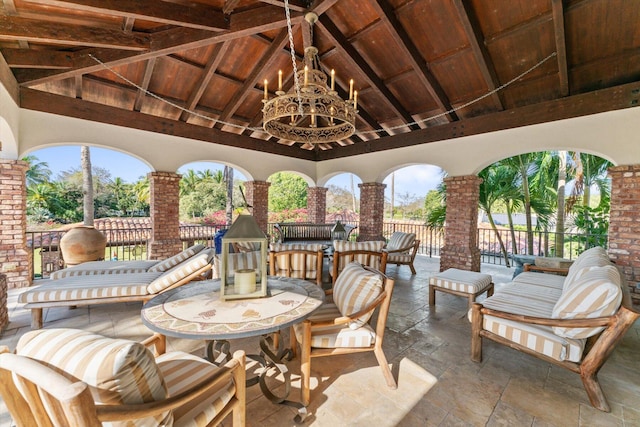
{"x":148,"y":72}
{"x":471,"y":26}
{"x":411,"y":52}
{"x":43,"y":59}
{"x":56,"y":104}
{"x":16,"y":28}
{"x":610,"y":99}
{"x":267,"y":59}
{"x":9,"y":81}
{"x":162,"y":44}
{"x":561,"y":46}
{"x":194,"y":16}
{"x":358,"y":61}
{"x":209,"y":70}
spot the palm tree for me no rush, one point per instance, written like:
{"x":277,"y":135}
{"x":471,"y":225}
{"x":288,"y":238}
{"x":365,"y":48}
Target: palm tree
{"x":590,"y":171}
{"x":560,"y":214}
{"x":87,"y":185}
{"x":228,"y":180}
{"x":38,"y":171}
{"x":188,"y":182}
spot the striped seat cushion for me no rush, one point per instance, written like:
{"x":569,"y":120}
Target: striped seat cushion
{"x":399,"y":240}
{"x":294,"y":266}
{"x":365,"y":259}
{"x":180,"y":271}
{"x":93,"y":268}
{"x":354,"y":290}
{"x":117,"y":371}
{"x":238,"y":261}
{"x":400,"y":257}
{"x":170,"y":263}
{"x":455,"y":279}
{"x":530,"y":300}
{"x":540,"y":279}
{"x":593,"y":257}
{"x":182,"y":371}
{"x":336,"y":336}
{"x":595,"y":292}
{"x":77,"y":288}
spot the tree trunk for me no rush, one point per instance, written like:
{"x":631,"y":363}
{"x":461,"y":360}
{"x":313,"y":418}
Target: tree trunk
{"x":393,"y":191}
{"x":87,"y":185}
{"x":503,"y":249}
{"x":353,"y":194}
{"x":527,"y":211}
{"x":512,"y":231}
{"x":228,"y":179}
{"x":562,"y":180}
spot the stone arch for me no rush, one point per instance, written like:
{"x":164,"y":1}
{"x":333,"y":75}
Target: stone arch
{"x":8,"y":143}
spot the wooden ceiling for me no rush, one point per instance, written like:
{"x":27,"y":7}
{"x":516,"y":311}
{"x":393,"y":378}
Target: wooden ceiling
{"x":412,"y":60}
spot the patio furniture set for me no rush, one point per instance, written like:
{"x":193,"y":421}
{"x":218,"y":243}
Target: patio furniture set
{"x":575,"y":322}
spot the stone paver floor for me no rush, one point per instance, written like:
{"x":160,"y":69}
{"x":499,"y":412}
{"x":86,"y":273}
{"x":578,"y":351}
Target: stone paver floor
{"x":438,"y":384}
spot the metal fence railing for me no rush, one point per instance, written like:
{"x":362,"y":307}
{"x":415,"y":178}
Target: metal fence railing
{"x":132,"y":243}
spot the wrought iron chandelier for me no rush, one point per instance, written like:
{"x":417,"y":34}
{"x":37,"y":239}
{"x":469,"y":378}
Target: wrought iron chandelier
{"x":311,"y":112}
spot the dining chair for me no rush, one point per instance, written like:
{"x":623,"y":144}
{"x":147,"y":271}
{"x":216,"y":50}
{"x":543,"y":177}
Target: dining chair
{"x":344,"y":324}
{"x":369,"y":253}
{"x":70,"y":377}
{"x":402,"y":249}
{"x":302,"y":261}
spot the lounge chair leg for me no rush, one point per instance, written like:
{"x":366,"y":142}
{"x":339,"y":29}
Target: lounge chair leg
{"x":413,"y":269}
{"x":476,"y":327}
{"x":594,"y":391}
{"x":36,"y":318}
{"x":305,"y":365}
{"x":432,"y":295}
{"x":382,"y":361}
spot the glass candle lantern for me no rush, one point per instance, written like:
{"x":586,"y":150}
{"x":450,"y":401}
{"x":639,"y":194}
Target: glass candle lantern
{"x":338,"y":232}
{"x":243,"y":274}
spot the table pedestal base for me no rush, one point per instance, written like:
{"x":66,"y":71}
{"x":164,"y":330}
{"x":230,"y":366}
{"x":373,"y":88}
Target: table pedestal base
{"x":218,"y":352}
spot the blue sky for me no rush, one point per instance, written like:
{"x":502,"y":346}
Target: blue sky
{"x":412,"y":180}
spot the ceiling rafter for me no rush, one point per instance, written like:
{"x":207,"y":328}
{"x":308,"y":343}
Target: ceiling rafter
{"x":472,"y":28}
{"x":193,"y":16}
{"x":39,"y":59}
{"x":267,"y":60}
{"x":207,"y":74}
{"x":358,"y":61}
{"x":18,"y":28}
{"x":164,"y":43}
{"x":148,"y":73}
{"x":557,"y":10}
{"x":419,"y":65}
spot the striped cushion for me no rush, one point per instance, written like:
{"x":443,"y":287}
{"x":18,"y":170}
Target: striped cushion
{"x":400,"y":257}
{"x":535,"y":300}
{"x":247,"y":246}
{"x":354,"y":290}
{"x":238,"y":261}
{"x":336,"y":336}
{"x":79,"y":288}
{"x":538,"y":338}
{"x":370,"y":261}
{"x":182,"y":371}
{"x":116,"y":370}
{"x":540,"y":279}
{"x":295,"y":265}
{"x":595,"y":256}
{"x":595,"y":293}
{"x":399,"y":240}
{"x":177,"y":259}
{"x":455,"y":279}
{"x":93,"y":268}
{"x":181,"y":271}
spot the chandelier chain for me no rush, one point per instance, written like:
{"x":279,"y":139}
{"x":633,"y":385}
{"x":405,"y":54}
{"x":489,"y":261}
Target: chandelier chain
{"x":296,"y":80}
{"x":259,"y":129}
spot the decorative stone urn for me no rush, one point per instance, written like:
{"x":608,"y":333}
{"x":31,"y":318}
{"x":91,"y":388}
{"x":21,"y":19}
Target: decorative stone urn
{"x":81,"y":244}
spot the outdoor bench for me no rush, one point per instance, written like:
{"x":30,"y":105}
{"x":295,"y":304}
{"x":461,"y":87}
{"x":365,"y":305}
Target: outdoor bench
{"x":574,"y":322}
{"x":301,"y":232}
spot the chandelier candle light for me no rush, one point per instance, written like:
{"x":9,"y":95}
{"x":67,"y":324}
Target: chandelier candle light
{"x":310,"y":113}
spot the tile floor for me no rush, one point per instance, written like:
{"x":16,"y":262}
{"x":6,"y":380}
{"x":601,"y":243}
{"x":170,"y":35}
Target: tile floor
{"x":438,"y":384}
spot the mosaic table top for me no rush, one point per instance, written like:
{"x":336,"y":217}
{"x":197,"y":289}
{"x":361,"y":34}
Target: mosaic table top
{"x":195,"y":310}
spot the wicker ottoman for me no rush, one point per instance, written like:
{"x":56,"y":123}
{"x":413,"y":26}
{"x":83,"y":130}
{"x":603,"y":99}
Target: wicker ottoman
{"x":463,"y":283}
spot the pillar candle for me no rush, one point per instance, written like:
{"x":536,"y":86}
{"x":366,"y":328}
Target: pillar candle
{"x":245,"y":281}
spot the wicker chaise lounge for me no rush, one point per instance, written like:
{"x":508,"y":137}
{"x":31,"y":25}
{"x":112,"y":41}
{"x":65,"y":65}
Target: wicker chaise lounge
{"x":109,"y":288}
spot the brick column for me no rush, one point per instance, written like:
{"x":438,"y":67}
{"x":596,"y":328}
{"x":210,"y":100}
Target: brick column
{"x":257,"y":193}
{"x":371,"y":211}
{"x":461,"y":231}
{"x":624,"y":223}
{"x":317,"y":204}
{"x":165,"y":214}
{"x":15,"y":258}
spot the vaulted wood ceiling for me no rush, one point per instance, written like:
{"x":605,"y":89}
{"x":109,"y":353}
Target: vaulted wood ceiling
{"x":442,"y":60}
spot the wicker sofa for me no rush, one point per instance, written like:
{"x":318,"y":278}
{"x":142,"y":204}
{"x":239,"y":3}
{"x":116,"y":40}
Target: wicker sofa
{"x":573,"y":321}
